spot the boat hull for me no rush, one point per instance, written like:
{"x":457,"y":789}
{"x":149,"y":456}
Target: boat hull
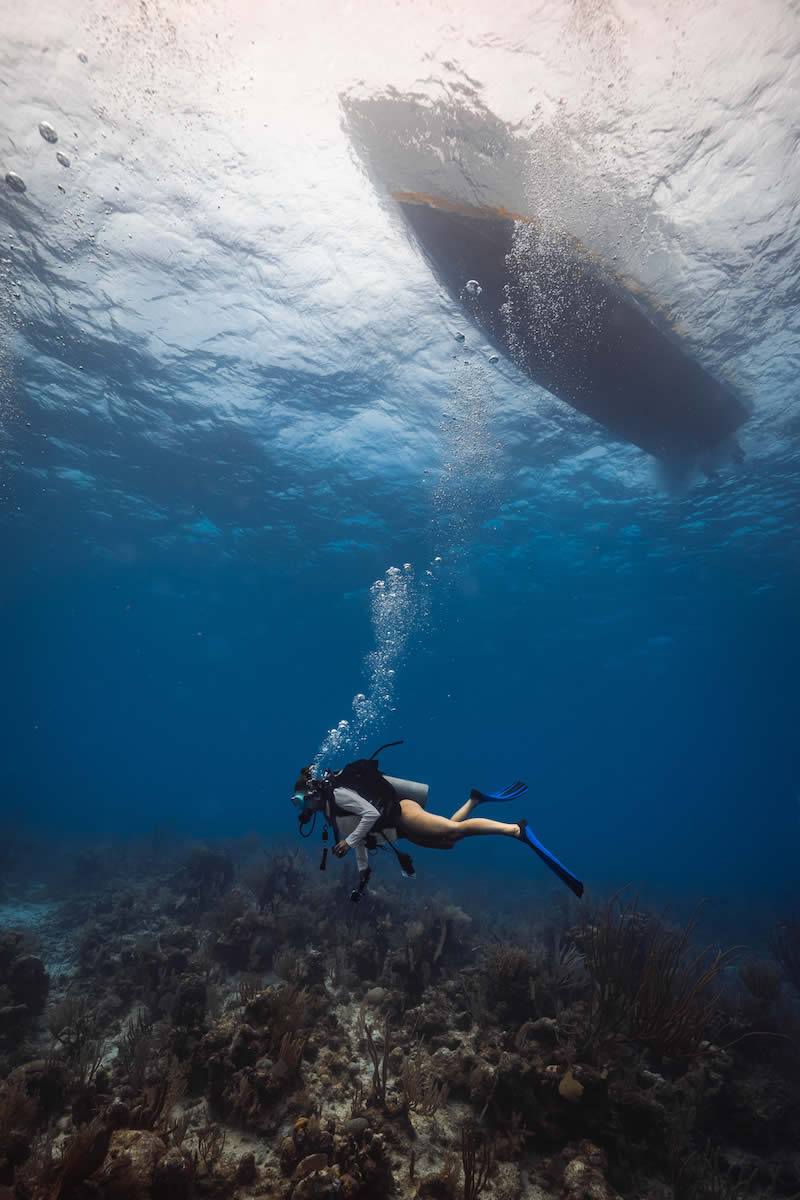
{"x":540,"y":298}
{"x":574,"y":331}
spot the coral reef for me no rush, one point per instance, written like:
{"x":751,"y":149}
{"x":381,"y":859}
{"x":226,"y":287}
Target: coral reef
{"x":23,"y":985}
{"x":208,"y":1022}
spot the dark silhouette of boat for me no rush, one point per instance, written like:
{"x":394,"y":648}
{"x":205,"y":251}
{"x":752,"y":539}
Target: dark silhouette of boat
{"x":539,"y":297}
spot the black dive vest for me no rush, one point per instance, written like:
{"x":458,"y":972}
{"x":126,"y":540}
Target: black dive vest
{"x":363,"y":776}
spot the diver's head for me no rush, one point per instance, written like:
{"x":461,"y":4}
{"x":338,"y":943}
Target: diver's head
{"x":302,"y":783}
{"x":308,"y":799}
{"x":303,"y":787}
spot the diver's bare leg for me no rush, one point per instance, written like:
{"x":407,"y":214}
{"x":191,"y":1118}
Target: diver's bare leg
{"x":466,"y":810}
{"x":417,"y":822}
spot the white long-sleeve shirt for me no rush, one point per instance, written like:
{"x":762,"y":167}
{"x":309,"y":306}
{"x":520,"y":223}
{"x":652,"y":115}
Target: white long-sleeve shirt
{"x":356,"y":822}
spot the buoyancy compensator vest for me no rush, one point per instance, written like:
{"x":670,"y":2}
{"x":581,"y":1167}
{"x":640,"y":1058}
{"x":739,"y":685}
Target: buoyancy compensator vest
{"x":363,"y":776}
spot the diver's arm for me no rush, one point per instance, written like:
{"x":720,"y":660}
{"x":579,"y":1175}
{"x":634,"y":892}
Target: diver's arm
{"x":356,"y":806}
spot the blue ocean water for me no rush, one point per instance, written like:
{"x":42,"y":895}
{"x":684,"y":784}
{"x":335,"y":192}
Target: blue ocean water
{"x":232,"y":401}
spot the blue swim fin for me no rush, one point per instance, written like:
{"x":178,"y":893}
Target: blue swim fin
{"x":527,"y":835}
{"x":512,"y":792}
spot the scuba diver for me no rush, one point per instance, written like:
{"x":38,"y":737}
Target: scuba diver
{"x":366,"y":809}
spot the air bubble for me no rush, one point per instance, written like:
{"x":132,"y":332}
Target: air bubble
{"x":459,"y":337}
{"x":82,"y":56}
{"x":16,"y":182}
{"x":494,"y":358}
{"x":62,"y":158}
{"x":472,"y":287}
{"x":48,"y":133}
{"x":398,"y":610}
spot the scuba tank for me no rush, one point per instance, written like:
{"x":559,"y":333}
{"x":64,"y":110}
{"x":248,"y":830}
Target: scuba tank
{"x":354,"y":774}
{"x":408,"y":789}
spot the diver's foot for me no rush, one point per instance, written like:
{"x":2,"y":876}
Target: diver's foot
{"x":475,"y":797}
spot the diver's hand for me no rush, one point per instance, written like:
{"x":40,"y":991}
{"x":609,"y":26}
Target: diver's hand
{"x":340,"y":849}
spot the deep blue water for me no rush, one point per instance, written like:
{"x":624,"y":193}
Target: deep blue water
{"x":194,"y":708}
{"x":218,"y":435}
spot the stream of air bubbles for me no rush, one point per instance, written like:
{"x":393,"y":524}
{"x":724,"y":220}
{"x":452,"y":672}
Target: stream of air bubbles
{"x":400,"y":603}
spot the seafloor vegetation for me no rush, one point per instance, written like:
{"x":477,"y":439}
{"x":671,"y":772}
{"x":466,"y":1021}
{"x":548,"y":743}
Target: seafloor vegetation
{"x":217,"y":1021}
